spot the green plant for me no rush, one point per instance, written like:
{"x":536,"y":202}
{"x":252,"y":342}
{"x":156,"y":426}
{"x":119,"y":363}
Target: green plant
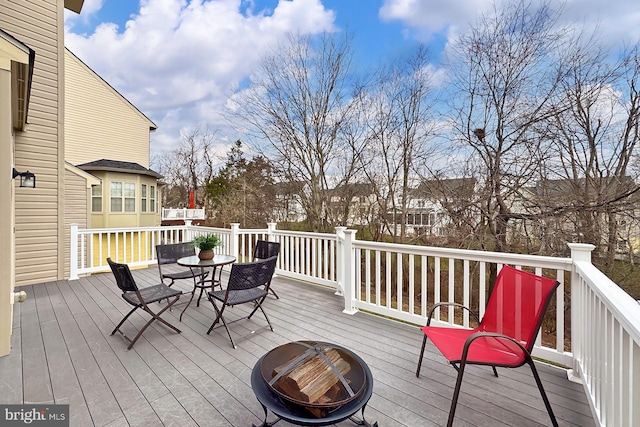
{"x":207,"y":241}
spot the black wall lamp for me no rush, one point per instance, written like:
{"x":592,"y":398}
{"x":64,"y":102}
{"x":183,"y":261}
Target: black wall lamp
{"x":27,"y":179}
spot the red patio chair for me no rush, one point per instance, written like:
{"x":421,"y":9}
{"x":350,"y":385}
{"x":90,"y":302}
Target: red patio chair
{"x":506,"y":335}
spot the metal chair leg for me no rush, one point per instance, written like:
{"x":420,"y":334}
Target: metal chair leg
{"x":545,"y":399}
{"x":456,"y":394}
{"x":424,"y":343}
{"x":124,"y":319}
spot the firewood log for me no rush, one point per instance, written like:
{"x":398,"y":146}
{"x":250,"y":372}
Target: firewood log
{"x":310,"y":380}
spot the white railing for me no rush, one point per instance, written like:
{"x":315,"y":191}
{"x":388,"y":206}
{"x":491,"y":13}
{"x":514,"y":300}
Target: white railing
{"x":606,"y":345}
{"x":134,"y":246}
{"x":403,"y":281}
{"x":599,"y":339}
{"x":182,"y":214}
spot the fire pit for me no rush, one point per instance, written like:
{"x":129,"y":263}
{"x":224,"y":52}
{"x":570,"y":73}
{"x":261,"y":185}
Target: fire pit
{"x":318,"y":377}
{"x":312,"y":383}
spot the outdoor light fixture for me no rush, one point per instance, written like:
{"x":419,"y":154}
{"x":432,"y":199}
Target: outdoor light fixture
{"x":27,"y":179}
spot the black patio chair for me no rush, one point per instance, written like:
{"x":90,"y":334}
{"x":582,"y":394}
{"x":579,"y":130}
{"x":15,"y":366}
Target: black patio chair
{"x":169,"y":254}
{"x":141,"y":298}
{"x":248,"y":283}
{"x":265,"y":249}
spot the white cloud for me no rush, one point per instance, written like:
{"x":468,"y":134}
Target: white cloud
{"x":616,"y":20}
{"x":430,"y":15}
{"x":89,"y":9}
{"x":178,"y":61}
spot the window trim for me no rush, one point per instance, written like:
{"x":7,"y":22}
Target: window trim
{"x":125,"y":187}
{"x":97,"y":196}
{"x":143,"y":197}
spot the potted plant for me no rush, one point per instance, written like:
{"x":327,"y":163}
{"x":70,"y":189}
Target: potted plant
{"x":206,"y":243}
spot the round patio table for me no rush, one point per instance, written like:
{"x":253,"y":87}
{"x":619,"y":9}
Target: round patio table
{"x":199,"y":281}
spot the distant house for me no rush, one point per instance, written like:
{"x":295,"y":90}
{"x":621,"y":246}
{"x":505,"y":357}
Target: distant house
{"x":32,"y":227}
{"x":287,"y":205}
{"x":581,"y":204}
{"x":437,"y":204}
{"x":352,"y":204}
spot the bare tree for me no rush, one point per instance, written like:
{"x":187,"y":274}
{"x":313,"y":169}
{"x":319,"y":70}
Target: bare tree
{"x":298,"y":102}
{"x":397,"y":111}
{"x":188,"y":167}
{"x":506,"y":73}
{"x":596,"y":140}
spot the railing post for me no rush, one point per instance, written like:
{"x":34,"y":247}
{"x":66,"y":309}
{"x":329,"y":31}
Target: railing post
{"x":271,"y":227}
{"x":73,"y":257}
{"x":233,"y":243}
{"x":187,"y":236}
{"x":580,"y":252}
{"x":348,"y":276}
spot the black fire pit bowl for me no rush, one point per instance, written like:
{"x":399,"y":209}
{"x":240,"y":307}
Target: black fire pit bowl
{"x":289,"y":356}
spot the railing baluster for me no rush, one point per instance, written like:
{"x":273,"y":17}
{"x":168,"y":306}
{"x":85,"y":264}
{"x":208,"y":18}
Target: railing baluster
{"x":452,"y":295}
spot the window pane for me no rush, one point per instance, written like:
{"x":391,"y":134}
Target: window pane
{"x":129,"y":205}
{"x":129,"y":189}
{"x":152,"y":192}
{"x":143,"y":198}
{"x":116,"y":189}
{"x":96,"y":190}
{"x":152,"y":205}
{"x":116,"y":204}
{"x":96,"y":204}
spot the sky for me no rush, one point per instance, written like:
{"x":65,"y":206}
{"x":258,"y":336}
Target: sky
{"x":179,"y":61}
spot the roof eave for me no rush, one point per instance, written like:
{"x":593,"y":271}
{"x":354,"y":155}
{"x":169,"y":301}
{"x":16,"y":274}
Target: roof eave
{"x":21,"y":59}
{"x":121,"y":170}
{"x":74,"y":5}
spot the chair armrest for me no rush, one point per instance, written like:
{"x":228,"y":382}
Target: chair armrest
{"x":455,"y":304}
{"x":471,"y":338}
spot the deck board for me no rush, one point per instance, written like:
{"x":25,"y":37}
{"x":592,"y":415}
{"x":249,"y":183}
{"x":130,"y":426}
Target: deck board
{"x":62,"y":352}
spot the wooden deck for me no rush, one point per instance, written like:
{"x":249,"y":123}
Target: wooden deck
{"x":63,"y":353}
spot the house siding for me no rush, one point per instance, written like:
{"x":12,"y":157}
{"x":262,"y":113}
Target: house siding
{"x":7,"y":254}
{"x":76,"y":210}
{"x":38,"y":230}
{"x":108,"y":219}
{"x":97,"y":116}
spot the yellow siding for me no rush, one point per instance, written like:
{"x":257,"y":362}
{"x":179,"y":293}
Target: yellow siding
{"x":108,"y":219}
{"x":97,"y":116}
{"x":112,"y":245}
{"x":38,"y":227}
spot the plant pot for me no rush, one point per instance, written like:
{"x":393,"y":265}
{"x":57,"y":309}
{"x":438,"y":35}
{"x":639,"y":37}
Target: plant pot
{"x":206,"y":254}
